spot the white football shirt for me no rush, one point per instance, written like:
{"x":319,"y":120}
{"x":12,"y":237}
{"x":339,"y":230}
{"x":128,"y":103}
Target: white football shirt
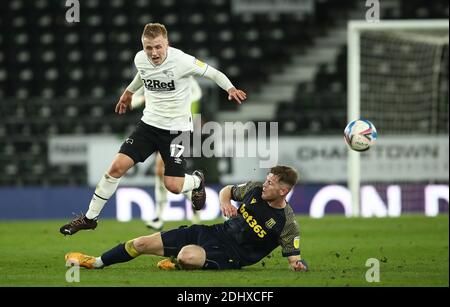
{"x":167,"y":89}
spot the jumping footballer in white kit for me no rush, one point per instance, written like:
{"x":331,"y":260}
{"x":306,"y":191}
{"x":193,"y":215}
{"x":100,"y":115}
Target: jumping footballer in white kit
{"x":164,"y":72}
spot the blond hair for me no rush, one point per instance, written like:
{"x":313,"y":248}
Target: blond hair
{"x":285,"y":174}
{"x":153,"y":30}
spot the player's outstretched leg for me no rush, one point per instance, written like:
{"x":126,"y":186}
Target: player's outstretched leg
{"x":191,"y":186}
{"x":104,"y":190}
{"x":85,"y":261}
{"x":79,"y":223}
{"x":123,"y":252}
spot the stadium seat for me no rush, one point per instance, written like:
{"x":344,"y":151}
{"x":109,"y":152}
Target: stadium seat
{"x":62,"y":78}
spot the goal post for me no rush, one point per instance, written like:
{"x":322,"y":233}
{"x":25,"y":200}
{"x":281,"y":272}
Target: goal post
{"x":398,"y":35}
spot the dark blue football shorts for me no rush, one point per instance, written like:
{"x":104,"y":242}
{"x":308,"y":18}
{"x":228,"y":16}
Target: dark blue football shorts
{"x":217,"y":257}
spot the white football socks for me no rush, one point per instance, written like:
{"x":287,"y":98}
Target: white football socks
{"x":104,"y":190}
{"x":190,"y":182}
{"x":98,"y":263}
{"x":195,"y":217}
{"x":160,"y":196}
{"x":188,"y":195}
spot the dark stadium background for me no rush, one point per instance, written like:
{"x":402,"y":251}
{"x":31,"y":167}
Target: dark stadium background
{"x":63,"y":79}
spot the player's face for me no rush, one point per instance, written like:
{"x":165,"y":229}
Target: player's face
{"x":272,"y":189}
{"x":155,"y":48}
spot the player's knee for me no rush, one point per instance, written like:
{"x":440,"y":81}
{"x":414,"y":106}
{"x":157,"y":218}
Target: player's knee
{"x":191,"y":257}
{"x":173,"y":187}
{"x":117,"y":170}
{"x":140,"y":244}
{"x":121,"y":164}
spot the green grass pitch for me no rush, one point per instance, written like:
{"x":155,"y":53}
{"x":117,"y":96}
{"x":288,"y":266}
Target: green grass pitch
{"x":412,"y":251}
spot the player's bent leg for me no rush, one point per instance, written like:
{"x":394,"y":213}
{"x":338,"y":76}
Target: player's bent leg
{"x":159,"y":166}
{"x":150,"y":245}
{"x":174,"y":184}
{"x":191,"y":257}
{"x":121,"y":164}
{"x":106,"y":187}
{"x":177,"y":181}
{"x":194,"y":183}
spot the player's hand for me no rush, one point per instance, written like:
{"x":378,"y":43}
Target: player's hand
{"x":228,"y":210}
{"x":300,"y":265}
{"x":124,"y":102}
{"x":236,"y":95}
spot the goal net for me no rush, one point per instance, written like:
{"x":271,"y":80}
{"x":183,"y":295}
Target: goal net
{"x":398,"y":79}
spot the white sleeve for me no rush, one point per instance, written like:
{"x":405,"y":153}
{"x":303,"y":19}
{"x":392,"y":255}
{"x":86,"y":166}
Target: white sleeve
{"x":218,"y":77}
{"x":135,"y":84}
{"x":138,"y":99}
{"x":190,"y":66}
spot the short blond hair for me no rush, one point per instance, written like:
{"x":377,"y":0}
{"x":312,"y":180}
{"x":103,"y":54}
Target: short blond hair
{"x":153,"y":30}
{"x":285,"y":174}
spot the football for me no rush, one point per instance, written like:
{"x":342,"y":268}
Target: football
{"x":360,"y":134}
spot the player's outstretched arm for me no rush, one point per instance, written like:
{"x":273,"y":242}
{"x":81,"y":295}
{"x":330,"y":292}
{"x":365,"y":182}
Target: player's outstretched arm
{"x":221,"y":80}
{"x":237,"y":95}
{"x":124,"y":102}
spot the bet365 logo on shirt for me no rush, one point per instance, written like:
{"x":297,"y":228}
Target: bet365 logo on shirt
{"x":156,"y":85}
{"x":252,"y":222}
